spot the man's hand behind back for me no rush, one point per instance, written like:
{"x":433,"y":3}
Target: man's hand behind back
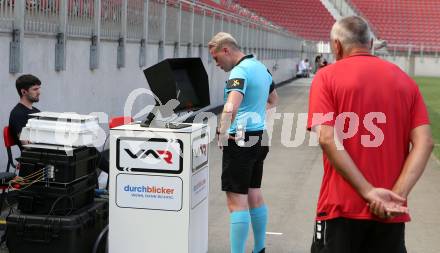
{"x":385,"y":203}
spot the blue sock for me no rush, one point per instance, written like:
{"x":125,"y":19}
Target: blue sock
{"x":239,"y":230}
{"x":259,"y":222}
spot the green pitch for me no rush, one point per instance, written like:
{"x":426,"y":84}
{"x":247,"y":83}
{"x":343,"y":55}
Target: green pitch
{"x":430,"y":88}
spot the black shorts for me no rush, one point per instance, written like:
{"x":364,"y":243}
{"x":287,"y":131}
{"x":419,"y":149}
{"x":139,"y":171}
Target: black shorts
{"x":358,"y":236}
{"x":242,"y":167}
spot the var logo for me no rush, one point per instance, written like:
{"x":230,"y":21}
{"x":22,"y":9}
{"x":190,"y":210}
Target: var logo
{"x":202,"y":150}
{"x":164,"y":155}
{"x":158,"y":155}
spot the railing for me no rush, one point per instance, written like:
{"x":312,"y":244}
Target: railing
{"x":43,"y":16}
{"x":181,"y":23}
{"x":80,"y":18}
{"x":6,"y":14}
{"x":409,"y":50}
{"x":111,"y":19}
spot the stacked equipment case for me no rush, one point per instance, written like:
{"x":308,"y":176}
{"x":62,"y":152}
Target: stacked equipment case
{"x":75,"y":233}
{"x":56,"y":207}
{"x":66,"y":180}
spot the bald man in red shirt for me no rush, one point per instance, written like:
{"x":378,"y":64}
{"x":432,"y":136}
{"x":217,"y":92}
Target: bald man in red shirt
{"x":374,"y":131}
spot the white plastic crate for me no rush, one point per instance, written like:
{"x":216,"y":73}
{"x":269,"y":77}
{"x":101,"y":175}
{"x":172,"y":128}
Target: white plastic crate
{"x":67,"y":129}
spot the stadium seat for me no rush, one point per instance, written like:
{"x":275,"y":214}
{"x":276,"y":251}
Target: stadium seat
{"x":6,"y":176}
{"x":403,"y":22}
{"x":305,"y":18}
{"x":9,"y":142}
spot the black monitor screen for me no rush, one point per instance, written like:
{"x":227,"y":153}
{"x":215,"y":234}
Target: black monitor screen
{"x":186,"y":94}
{"x":183,"y":79}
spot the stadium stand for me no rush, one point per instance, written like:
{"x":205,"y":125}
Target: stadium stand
{"x":403,"y":21}
{"x":305,"y":18}
{"x":234,"y":8}
{"x":215,"y":5}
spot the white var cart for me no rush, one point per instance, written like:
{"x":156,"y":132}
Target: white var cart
{"x":159,"y":183}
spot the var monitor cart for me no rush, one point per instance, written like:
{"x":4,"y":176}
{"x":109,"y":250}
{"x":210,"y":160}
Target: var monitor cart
{"x":159,"y":183}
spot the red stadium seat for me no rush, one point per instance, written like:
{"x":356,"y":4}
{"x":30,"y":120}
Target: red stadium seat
{"x":403,"y":22}
{"x":308,"y":19}
{"x":9,"y":142}
{"x":6,"y":176}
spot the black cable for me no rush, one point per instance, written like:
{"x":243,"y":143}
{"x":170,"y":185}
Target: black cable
{"x":102,"y":150}
{"x":71,"y":206}
{"x":53,"y":206}
{"x":105,"y":142}
{"x":99,"y":162}
{"x":99,"y":157}
{"x":56,"y":202}
{"x":98,"y":240}
{"x":65,"y":211}
{"x":4,"y":236}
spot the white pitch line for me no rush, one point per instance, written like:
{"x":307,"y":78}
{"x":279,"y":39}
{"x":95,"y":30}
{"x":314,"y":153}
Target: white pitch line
{"x":273,"y":233}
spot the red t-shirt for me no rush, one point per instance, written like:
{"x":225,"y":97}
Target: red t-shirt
{"x":384,"y":104}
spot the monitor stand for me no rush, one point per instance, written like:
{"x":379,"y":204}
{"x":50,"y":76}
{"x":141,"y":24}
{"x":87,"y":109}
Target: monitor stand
{"x":150,"y":122}
{"x":149,"y":119}
{"x":176,"y":125}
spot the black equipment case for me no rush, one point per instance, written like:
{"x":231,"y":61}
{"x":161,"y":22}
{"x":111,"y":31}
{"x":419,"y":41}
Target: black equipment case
{"x":76,"y":233}
{"x":53,"y":198}
{"x":68,"y":166}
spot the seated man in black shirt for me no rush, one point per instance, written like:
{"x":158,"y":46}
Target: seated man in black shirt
{"x":28,"y":88}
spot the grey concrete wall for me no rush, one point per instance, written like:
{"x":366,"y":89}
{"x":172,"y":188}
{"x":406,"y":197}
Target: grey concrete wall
{"x":423,"y":66}
{"x":104,"y":90}
{"x":427,"y":66}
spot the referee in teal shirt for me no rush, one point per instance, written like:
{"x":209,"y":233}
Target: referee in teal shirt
{"x":249,"y":92}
